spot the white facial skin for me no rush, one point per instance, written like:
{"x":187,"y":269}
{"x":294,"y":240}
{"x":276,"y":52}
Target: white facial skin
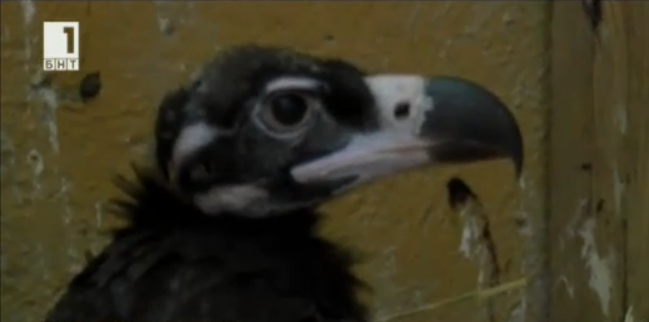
{"x":396,"y":147}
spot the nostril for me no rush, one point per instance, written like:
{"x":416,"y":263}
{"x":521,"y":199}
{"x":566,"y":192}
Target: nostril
{"x":402,"y":110}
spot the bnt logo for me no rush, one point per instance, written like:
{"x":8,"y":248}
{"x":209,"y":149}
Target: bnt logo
{"x":61,"y":46}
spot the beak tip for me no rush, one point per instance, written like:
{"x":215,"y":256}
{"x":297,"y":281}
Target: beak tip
{"x":469,"y":111}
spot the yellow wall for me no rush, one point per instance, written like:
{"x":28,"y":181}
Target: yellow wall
{"x":599,"y":170}
{"x":58,"y":154}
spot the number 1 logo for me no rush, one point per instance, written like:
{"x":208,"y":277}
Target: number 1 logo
{"x":61,"y":46}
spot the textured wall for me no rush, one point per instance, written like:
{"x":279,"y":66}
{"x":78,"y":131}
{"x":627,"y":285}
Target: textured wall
{"x":599,"y":172}
{"x":58,"y":154}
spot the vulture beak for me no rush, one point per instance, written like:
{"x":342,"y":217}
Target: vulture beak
{"x":422,"y":121}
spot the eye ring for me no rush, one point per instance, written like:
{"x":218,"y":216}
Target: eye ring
{"x":287,"y":113}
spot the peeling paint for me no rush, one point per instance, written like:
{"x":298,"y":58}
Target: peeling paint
{"x":600,"y":271}
{"x":65,"y":185}
{"x":533,"y":228}
{"x":99,"y":214}
{"x":507,"y":18}
{"x":618,"y":190}
{"x":569,"y":288}
{"x":628,"y":316}
{"x":29,"y":10}
{"x":470,"y":234}
{"x":517,"y":314}
{"x":582,"y":208}
{"x":35,"y":159}
{"x":523,"y":219}
{"x":8,"y":164}
{"x":76,"y":259}
{"x":165,"y":24}
{"x":478,"y":244}
{"x":50,"y":99}
{"x":387,"y":271}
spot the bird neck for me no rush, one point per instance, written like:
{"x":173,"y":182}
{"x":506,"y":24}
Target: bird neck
{"x":283,"y":247}
{"x":149,"y":204}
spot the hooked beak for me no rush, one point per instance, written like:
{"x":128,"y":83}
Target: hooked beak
{"x":440,"y":120}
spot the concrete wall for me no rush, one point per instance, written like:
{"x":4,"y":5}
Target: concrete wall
{"x":59,"y":154}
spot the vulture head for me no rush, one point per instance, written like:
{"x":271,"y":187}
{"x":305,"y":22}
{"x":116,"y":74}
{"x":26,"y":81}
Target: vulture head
{"x":264,"y":131}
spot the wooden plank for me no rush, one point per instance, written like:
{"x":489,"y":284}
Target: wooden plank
{"x":607,"y":254}
{"x":622,"y":115}
{"x":582,"y":275}
{"x":599,"y":210}
{"x":636,"y":203}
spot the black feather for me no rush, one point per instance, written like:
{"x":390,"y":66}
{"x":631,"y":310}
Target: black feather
{"x":172,"y":263}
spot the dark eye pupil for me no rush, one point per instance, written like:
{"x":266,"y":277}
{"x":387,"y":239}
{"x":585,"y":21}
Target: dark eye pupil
{"x":289,"y":109}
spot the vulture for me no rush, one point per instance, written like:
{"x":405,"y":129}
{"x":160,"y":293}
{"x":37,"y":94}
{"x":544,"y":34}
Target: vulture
{"x":222,"y":226}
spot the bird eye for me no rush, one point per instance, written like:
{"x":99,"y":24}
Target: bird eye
{"x":286,"y":112}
